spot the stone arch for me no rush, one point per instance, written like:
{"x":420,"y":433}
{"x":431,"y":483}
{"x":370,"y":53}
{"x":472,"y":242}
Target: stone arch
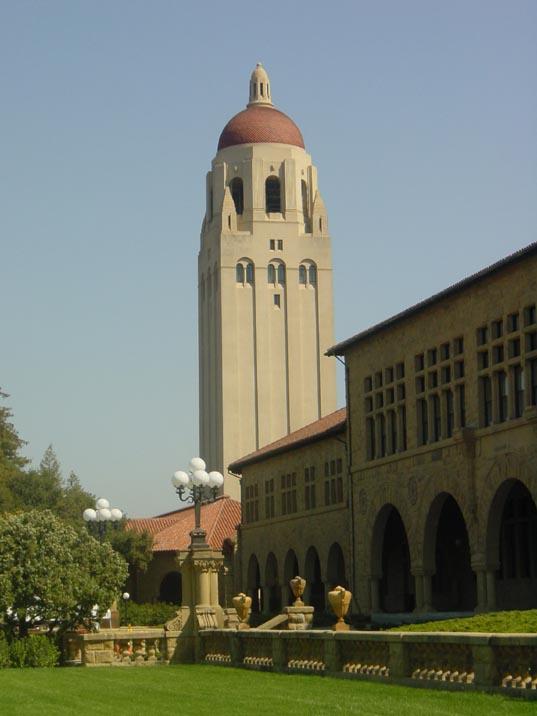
{"x":511,"y":545}
{"x":170,"y":589}
{"x":390,"y":562}
{"x":335,"y":567}
{"x":290,"y":570}
{"x":315,"y":585}
{"x":447,"y":556}
{"x":253,"y":584}
{"x":273,"y":195}
{"x":273,"y":600}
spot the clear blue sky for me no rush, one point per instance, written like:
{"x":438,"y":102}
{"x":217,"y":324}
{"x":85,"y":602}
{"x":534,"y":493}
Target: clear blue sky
{"x":420,"y":117}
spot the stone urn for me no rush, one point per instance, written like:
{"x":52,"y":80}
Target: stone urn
{"x":298,"y":585}
{"x":340,"y":600}
{"x":242,"y":603}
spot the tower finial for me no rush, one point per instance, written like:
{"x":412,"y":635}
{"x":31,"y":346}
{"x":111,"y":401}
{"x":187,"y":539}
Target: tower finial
{"x":259,"y":87}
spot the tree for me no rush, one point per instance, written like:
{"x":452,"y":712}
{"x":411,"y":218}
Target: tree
{"x":12,"y":463}
{"x":136,"y":548}
{"x":51,"y":573}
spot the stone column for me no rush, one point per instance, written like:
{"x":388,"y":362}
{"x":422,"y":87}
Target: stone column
{"x":418,"y":581}
{"x":427,"y":592}
{"x":214,"y":586}
{"x":375,"y":594}
{"x":265,"y":607}
{"x":481,"y":579}
{"x":204,"y":584}
{"x":491,"y":589}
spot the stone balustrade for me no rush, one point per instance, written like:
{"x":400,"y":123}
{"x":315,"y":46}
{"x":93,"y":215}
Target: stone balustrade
{"x":448,"y":660}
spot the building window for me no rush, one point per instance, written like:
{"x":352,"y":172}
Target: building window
{"x":239,"y":274}
{"x":533,"y":382}
{"x":370,"y":436}
{"x":462,"y":405}
{"x":305,"y":202}
{"x":497,"y":329}
{"x":436,"y":418}
{"x":271,"y":273}
{"x":333,"y":482}
{"x":277,"y":300}
{"x":251,"y":504}
{"x":514,"y":348}
{"x":518,"y":384}
{"x":281,"y":274}
{"x":486,"y":401}
{"x":250,"y":273}
{"x":531,"y":342}
{"x":302,"y":275}
{"x":392,"y":421}
{"x":512,"y":322}
{"x":450,"y":413}
{"x":288,"y":493}
{"x":530,"y":315}
{"x":444,"y":351}
{"x":423,"y":422}
{"x":503,"y":396}
{"x":419,"y":362}
{"x":237,"y":192}
{"x":307,"y":274}
{"x":309,"y":488}
{"x":273,"y":196}
{"x":269,"y":499}
{"x":482,"y":335}
{"x":312,"y":272}
{"x":458,"y":346}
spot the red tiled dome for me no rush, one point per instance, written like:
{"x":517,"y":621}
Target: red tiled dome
{"x":257,"y":124}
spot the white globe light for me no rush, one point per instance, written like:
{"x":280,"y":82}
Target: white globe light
{"x":104,"y":514}
{"x":102,"y":504}
{"x":126,"y":596}
{"x":89,"y":515}
{"x":197,"y":464}
{"x":116,"y":514}
{"x":200,"y":477}
{"x":215,"y":479}
{"x":180,"y":479}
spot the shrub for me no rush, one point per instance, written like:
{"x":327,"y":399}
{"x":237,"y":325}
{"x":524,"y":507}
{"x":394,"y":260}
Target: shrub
{"x":33,"y":651}
{"x":146,"y":614}
{"x":492,"y":622}
{"x":4,"y":651}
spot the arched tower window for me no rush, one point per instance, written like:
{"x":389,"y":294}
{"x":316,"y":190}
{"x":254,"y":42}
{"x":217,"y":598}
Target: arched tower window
{"x":273,"y":204}
{"x":271,"y":273}
{"x":307,"y":274}
{"x":244,"y":272}
{"x":276,"y":273}
{"x":237,"y":192}
{"x":281,"y":274}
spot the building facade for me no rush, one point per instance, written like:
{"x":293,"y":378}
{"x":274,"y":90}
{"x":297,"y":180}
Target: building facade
{"x":439,"y":481}
{"x":265,"y":287}
{"x":295,"y":515}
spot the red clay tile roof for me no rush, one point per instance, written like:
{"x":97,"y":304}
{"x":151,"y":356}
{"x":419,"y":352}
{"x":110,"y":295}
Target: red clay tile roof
{"x":331,"y":424}
{"x":257,"y":124}
{"x":171,"y":531}
{"x":340,"y":348}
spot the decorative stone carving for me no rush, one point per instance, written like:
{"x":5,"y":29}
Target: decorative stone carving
{"x":242,"y":603}
{"x":340,"y":600}
{"x":298,"y":585}
{"x":175,"y":623}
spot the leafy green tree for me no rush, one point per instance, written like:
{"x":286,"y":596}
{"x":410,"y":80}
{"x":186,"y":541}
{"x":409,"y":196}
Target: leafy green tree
{"x":51,"y":573}
{"x":12,"y":463}
{"x":135,"y":547}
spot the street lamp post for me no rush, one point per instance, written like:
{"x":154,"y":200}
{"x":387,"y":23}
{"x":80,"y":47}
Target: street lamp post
{"x":197,"y":486}
{"x":102,"y":514}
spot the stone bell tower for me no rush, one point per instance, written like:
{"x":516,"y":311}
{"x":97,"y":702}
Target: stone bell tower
{"x":265,"y":287}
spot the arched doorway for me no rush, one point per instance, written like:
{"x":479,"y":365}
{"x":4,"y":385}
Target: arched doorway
{"x":290,"y":570}
{"x":274,"y":595}
{"x":253,"y":582}
{"x":391,"y":562}
{"x":447,"y":556}
{"x":315,"y":586}
{"x":335,"y":567}
{"x":512,"y":545}
{"x":171,"y":588}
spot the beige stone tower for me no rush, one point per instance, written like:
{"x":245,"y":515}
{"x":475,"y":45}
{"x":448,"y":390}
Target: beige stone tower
{"x":265,"y":287}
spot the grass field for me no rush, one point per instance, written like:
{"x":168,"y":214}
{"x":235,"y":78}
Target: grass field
{"x":496,"y":622}
{"x":203,"y":690}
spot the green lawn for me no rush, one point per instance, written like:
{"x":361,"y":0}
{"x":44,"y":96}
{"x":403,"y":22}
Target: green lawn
{"x":216,"y":691}
{"x":496,"y":622}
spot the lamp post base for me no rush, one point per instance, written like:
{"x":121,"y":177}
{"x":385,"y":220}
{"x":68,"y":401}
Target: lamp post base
{"x":198,"y":539}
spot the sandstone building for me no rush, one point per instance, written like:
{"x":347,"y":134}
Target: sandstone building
{"x":265,"y":287}
{"x":439,"y":485}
